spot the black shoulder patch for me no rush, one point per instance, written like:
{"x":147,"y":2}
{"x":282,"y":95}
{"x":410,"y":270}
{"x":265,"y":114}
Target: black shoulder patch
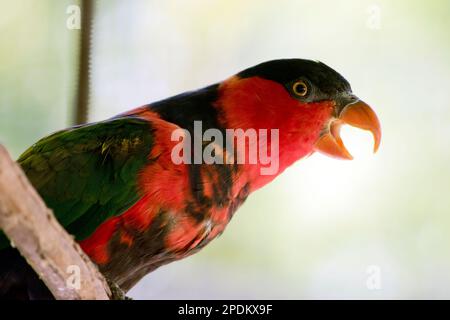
{"x":185,"y":108}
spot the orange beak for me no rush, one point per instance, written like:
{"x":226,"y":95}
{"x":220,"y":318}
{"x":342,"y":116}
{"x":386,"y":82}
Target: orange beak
{"x":358,"y":115}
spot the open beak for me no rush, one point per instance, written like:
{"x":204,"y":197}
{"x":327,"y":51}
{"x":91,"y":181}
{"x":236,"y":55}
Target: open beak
{"x":357,"y":114}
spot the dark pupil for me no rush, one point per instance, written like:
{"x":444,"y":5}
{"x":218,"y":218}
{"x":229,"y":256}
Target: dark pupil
{"x":300,"y":88}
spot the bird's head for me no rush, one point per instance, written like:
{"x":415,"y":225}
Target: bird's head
{"x":306,"y":100}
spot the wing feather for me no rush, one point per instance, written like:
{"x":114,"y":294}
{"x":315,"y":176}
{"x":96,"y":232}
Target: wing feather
{"x":89,"y":173}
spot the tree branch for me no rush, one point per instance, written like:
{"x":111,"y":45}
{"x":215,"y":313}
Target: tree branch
{"x":46,"y":246}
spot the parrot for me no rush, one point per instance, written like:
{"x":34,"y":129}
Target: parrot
{"x":115,"y":186}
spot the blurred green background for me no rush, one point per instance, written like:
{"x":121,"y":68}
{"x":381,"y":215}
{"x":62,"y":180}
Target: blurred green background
{"x":325,"y":228}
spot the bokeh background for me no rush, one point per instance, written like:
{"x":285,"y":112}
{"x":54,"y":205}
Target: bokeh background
{"x":376,"y":227}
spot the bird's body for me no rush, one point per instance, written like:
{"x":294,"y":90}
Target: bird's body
{"x":115,"y":186}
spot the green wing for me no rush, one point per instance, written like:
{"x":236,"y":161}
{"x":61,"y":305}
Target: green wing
{"x":89,"y":173}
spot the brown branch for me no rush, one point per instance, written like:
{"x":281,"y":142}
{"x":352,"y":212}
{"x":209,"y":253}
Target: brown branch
{"x":46,"y":246}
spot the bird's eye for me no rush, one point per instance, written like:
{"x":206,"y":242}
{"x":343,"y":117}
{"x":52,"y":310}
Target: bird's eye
{"x":300,"y":88}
